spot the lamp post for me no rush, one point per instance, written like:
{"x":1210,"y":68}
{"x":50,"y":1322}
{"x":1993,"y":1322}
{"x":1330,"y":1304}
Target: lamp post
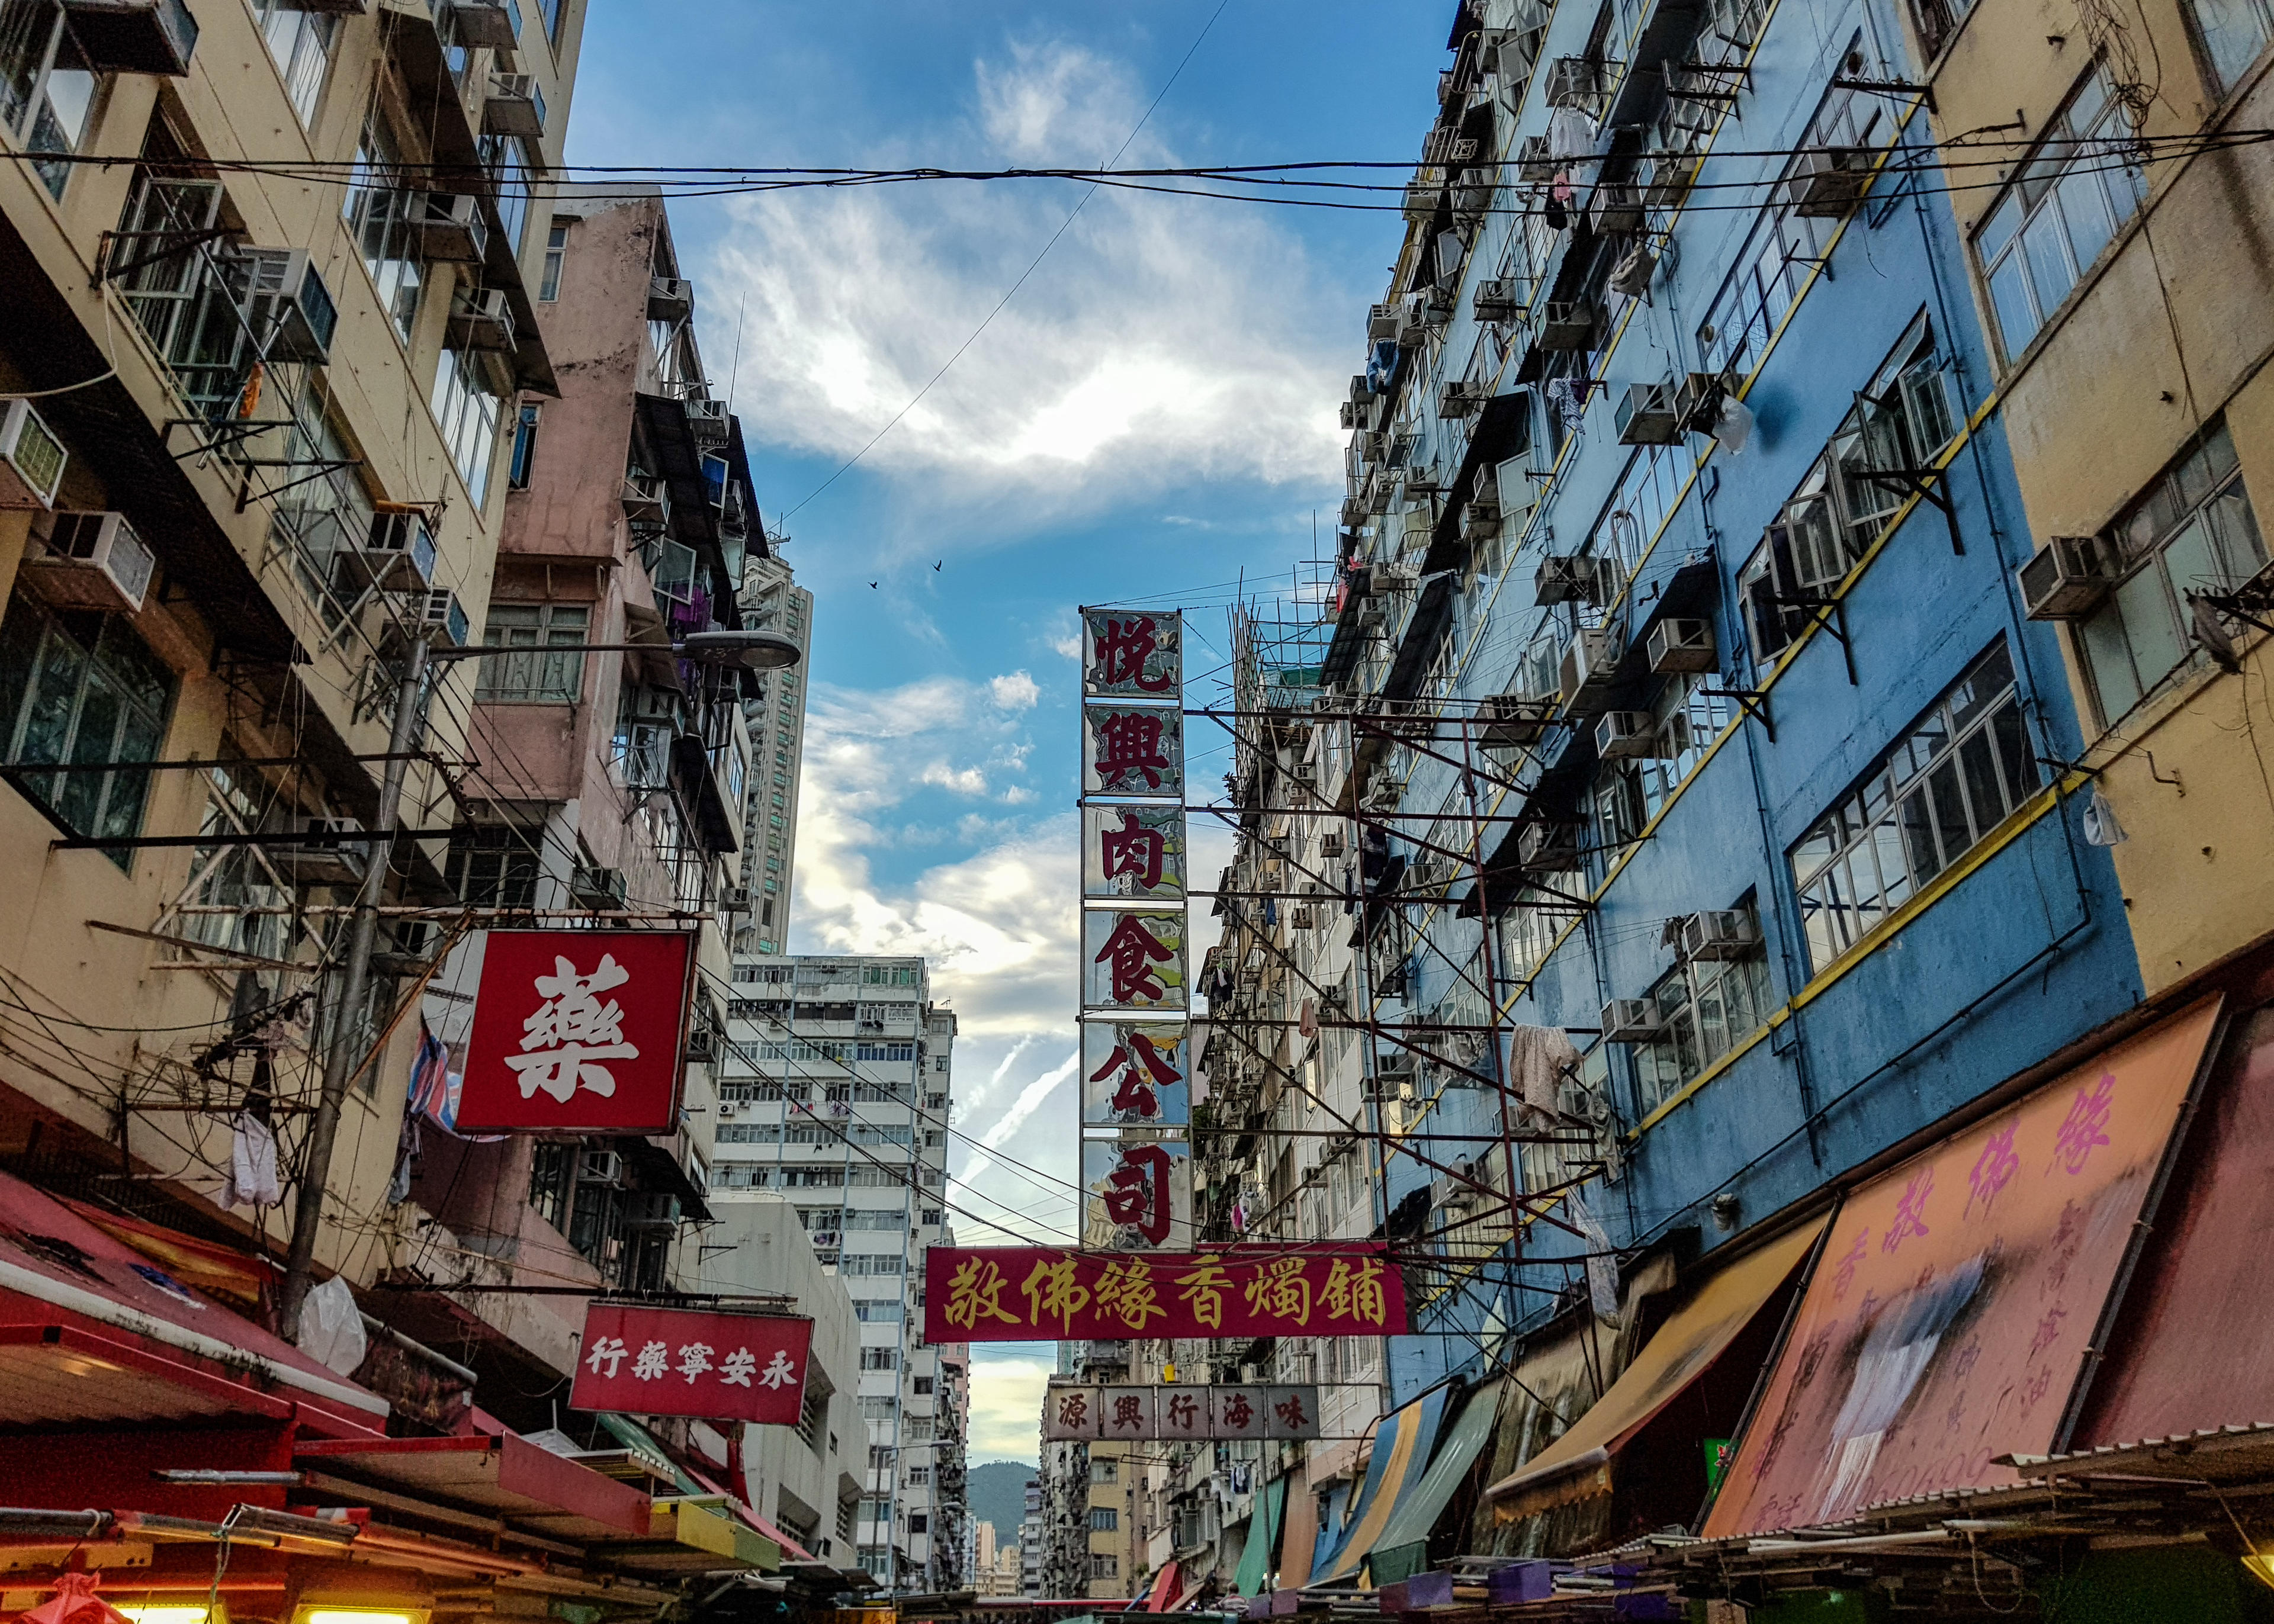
{"x":731,"y":651}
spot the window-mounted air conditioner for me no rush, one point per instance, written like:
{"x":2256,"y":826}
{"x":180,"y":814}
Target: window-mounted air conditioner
{"x":1384,"y":320}
{"x":1330,"y":844}
{"x":133,"y":36}
{"x":1615,"y":210}
{"x":31,"y":458}
{"x":1302,"y":918}
{"x":1461,"y":400}
{"x":1589,"y":661}
{"x":1421,"y":198}
{"x":1577,"y":81}
{"x":1646,"y":416}
{"x":92,"y":561}
{"x":734,"y":899}
{"x":1627,"y":735}
{"x":2068,"y":577}
{"x":434,"y":616}
{"x":1720,"y":933}
{"x":1824,"y":185}
{"x":1430,"y":874}
{"x":514,"y":106}
{"x":1515,"y":718}
{"x":1394,"y":574}
{"x":447,"y":227}
{"x":1632,"y":1020}
{"x":1665,"y":178}
{"x":651,"y":1209}
{"x":1576,"y":577}
{"x":702,"y":1044}
{"x":323,"y":860}
{"x":1568,"y":325}
{"x":1535,"y":160}
{"x":1549,"y":845}
{"x":398,"y":556}
{"x":492,"y":23}
{"x":1698,"y":400}
{"x":1498,"y":298}
{"x":1420,"y":481}
{"x":591,"y":886}
{"x":1680,"y":646}
{"x":286,"y":306}
{"x":670,"y":298}
{"x":481,"y":318}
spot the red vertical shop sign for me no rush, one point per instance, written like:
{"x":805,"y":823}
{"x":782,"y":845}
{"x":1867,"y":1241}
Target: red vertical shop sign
{"x":578,"y":1031}
{"x":688,"y":1362}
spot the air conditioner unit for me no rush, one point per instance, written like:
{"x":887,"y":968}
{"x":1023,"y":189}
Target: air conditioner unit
{"x":707,"y":420}
{"x":1461,"y":400}
{"x":1431,"y":873}
{"x":734,"y":899}
{"x":318,"y":862}
{"x":447,"y":226}
{"x":1499,"y":298}
{"x":1698,"y":400}
{"x":1681,"y":645}
{"x":1567,"y":324}
{"x":481,"y":318}
{"x":728,"y":1109}
{"x":651,"y":1209}
{"x":1303,"y":918}
{"x":2068,"y":577}
{"x":1627,"y":735}
{"x":1824,"y":185}
{"x":514,"y":106}
{"x":1419,"y":525}
{"x":1665,"y":178}
{"x":1577,"y":81}
{"x":1384,"y":320}
{"x":1515,"y":718}
{"x":133,"y":36}
{"x":1549,"y":845}
{"x":1576,"y":577}
{"x":1615,"y":210}
{"x":31,"y":458}
{"x":1535,"y":160}
{"x":600,"y":1167}
{"x":1422,"y":199}
{"x":286,"y":306}
{"x":92,"y":561}
{"x":702,"y":1044}
{"x":434,"y":617}
{"x":399,"y":554}
{"x":484,"y":22}
{"x":670,"y":298}
{"x":1646,"y":415}
{"x":1394,"y":576}
{"x":1330,"y":844}
{"x":1373,"y":621}
{"x":591,"y":886}
{"x":1722,"y":933}
{"x":1589,"y":661}
{"x":1632,"y":1020}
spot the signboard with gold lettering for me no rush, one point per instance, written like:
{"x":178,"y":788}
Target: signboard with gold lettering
{"x":1012,"y":1294}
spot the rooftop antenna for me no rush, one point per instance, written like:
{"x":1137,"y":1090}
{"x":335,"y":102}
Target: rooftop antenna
{"x":734,"y":372}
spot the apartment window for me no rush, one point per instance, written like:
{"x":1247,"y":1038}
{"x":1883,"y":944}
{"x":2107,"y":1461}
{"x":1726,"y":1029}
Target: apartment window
{"x":495,"y":867}
{"x":879,"y":1409}
{"x":880,"y":1358}
{"x":1957,"y":773}
{"x":1104,"y":1472}
{"x":1708,"y":1006}
{"x":917,"y":1429}
{"x":919,"y":1476}
{"x":552,"y":678}
{"x":45,"y":89}
{"x":1105,"y":1567}
{"x":301,"y":42}
{"x":551,"y":1174}
{"x":556,"y":255}
{"x":80,"y":687}
{"x":880,"y":1457}
{"x":864,"y":1308}
{"x":510,"y":162}
{"x":524,"y":447}
{"x":550,"y":11}
{"x":2059,"y":213}
{"x":811,"y":1414}
{"x":876,"y":1508}
{"x":1937,"y":20}
{"x":2194,"y":532}
{"x":378,"y":214}
{"x":2234,"y":32}
{"x":1103,"y":1519}
{"x":919,"y":1523}
{"x":1902,"y":420}
{"x":466,"y":408}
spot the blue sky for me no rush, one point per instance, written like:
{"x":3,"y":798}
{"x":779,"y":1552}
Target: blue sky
{"x":1153,"y":415}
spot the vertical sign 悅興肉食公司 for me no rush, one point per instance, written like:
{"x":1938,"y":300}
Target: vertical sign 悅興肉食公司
{"x":1136,"y":983}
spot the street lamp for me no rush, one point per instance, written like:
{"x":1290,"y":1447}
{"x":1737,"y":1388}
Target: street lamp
{"x":729,"y":651}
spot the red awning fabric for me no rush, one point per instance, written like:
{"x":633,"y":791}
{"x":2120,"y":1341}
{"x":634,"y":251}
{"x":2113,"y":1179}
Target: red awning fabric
{"x":508,"y":1477}
{"x":93,"y":1331}
{"x":1163,"y":1591}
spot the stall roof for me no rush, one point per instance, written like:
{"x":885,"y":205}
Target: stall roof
{"x":1418,"y":1510}
{"x":1401,"y":1448}
{"x":508,"y":1477}
{"x":1578,"y":1466}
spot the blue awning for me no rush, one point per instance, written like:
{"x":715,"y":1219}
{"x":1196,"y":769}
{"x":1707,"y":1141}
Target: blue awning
{"x":1402,"y":1445}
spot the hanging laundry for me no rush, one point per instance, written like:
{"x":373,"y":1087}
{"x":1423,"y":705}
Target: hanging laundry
{"x":1602,"y":1266}
{"x":1571,"y":135}
{"x":252,"y":1178}
{"x":1630,"y":276}
{"x":1538,"y":1058}
{"x":2100,"y":825}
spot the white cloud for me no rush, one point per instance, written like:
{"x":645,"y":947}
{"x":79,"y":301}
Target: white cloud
{"x":1006,"y":1406}
{"x":1164,"y":339}
{"x":1014,"y":692}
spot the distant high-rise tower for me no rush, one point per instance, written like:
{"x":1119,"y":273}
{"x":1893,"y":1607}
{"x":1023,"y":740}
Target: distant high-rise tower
{"x":772,"y":600}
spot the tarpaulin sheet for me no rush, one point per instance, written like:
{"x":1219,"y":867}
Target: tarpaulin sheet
{"x":1404,"y":1540}
{"x":1401,"y":1449}
{"x":1578,"y":1466}
{"x":1958,"y":1293}
{"x":1300,"y":1521}
{"x":1262,"y":1531}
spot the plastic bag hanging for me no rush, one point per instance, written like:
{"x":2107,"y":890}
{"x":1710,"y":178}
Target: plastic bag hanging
{"x":2100,"y":825}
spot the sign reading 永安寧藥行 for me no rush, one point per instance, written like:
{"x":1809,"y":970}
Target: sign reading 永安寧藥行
{"x":577,"y":1032}
{"x":1071,"y":1411}
{"x":1039,"y":1294}
{"x":639,"y":1360}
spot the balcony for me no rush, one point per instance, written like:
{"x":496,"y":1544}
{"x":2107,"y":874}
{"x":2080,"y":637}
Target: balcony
{"x":134,"y":37}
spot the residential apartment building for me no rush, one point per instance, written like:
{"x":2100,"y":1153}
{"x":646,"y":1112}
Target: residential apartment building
{"x":1031,"y":1540}
{"x":835,"y":1097}
{"x":775,"y":719}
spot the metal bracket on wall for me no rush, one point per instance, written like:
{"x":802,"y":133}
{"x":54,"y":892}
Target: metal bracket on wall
{"x":1887,"y":88}
{"x":1926,"y":485}
{"x":1834,"y":623}
{"x":1753,"y":702}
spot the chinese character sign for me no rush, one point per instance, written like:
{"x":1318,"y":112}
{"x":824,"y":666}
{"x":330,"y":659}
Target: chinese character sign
{"x":636,"y":1360}
{"x":577,"y":1032}
{"x":1133,"y":750}
{"x":1036,"y":1294}
{"x":1071,"y":1412}
{"x":1949,"y":1314}
{"x":1135,"y":853}
{"x":1135,"y":1076}
{"x":1133,"y":960}
{"x":1132,"y":654}
{"x":1139,"y":1193}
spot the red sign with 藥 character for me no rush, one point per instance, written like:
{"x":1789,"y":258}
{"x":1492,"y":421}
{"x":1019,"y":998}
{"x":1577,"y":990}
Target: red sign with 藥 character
{"x":1010,"y":1294}
{"x":578,"y":1031}
{"x":685,"y":1362}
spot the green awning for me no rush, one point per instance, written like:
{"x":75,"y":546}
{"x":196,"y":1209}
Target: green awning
{"x":1402,"y":1549}
{"x":1262,"y":1536}
{"x":1402,"y":1443}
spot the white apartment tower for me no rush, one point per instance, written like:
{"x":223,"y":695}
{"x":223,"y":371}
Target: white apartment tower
{"x":773,"y":601}
{"x":835,"y":1097}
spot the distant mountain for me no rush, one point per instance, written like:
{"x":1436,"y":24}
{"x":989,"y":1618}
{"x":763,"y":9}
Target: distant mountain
{"x":996,"y":1494}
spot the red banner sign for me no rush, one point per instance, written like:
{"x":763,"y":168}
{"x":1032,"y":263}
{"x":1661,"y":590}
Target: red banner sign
{"x":645,"y":1361}
{"x":578,"y":1031}
{"x":1013,"y":1294}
